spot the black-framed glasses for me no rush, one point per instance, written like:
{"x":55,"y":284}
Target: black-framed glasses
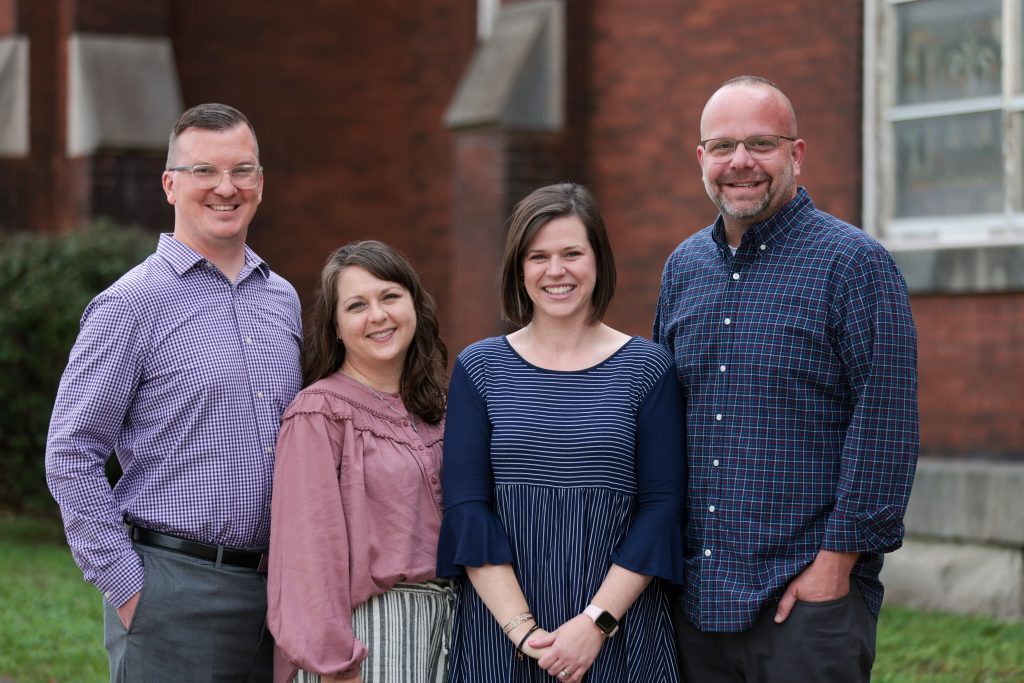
{"x":207,"y":176}
{"x":757,"y":146}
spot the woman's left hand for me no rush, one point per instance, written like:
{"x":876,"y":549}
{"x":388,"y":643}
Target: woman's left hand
{"x":571,"y":649}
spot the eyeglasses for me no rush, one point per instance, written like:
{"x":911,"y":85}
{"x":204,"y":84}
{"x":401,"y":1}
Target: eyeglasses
{"x":207,"y":177}
{"x":757,"y":146}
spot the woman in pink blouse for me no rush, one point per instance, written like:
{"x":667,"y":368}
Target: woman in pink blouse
{"x":357,"y":496}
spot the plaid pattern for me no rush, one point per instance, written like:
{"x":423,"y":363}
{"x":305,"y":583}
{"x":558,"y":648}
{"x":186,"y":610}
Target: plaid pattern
{"x":798,"y":360}
{"x":184,"y":376}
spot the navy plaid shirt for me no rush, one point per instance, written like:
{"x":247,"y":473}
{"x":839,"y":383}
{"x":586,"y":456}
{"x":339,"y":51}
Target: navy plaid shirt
{"x":185,"y":376}
{"x":798,"y":360}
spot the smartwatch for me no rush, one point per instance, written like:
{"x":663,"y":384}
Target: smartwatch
{"x":603,"y":619}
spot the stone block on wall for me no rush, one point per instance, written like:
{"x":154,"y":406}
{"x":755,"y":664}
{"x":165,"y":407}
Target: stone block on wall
{"x":968,"y":578}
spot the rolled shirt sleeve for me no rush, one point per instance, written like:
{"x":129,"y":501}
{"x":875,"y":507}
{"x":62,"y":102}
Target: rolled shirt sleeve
{"x":876,"y":340}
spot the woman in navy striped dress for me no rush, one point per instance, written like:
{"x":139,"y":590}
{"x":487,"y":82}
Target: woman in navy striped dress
{"x":564,"y":471}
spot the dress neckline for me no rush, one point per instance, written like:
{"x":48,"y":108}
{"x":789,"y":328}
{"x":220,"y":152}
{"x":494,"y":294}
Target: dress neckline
{"x":608,"y":358}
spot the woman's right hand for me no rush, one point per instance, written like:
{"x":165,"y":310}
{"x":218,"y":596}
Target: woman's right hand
{"x":528,"y":649}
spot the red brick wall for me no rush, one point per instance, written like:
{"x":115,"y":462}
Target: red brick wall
{"x":347,"y":99}
{"x":971,"y":359}
{"x":147,"y":18}
{"x":7,"y":15}
{"x":46,"y":191}
{"x":654,"y":65}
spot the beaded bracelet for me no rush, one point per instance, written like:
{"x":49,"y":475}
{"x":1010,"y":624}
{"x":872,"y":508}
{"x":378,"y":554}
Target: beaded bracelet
{"x":516,"y":620}
{"x":519,"y":647}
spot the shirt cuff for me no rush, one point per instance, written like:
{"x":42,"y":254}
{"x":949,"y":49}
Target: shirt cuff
{"x":880,"y":531}
{"x":124,"y":580}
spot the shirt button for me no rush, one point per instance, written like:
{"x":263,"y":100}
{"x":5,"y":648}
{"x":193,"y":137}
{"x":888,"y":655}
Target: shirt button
{"x":727,"y":321}
{"x":107,"y":595}
{"x":711,"y":508}
{"x":269,"y":449}
{"x":721,"y":368}
{"x":707,"y":552}
{"x":248,"y":340}
{"x":718,"y":417}
{"x":714,"y":463}
{"x":735,"y":276}
{"x":763,"y":247}
{"x":259,"y":394}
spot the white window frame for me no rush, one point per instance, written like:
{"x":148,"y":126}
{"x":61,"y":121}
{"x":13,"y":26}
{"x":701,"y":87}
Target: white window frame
{"x":879,"y":187}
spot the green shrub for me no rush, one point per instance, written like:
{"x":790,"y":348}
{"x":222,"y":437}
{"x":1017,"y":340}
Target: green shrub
{"x":45,"y":283}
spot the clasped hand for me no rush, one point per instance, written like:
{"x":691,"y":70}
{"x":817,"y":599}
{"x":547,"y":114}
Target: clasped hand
{"x":571,"y":648}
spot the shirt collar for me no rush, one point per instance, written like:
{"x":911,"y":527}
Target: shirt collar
{"x":773,"y":230}
{"x":183,"y":259}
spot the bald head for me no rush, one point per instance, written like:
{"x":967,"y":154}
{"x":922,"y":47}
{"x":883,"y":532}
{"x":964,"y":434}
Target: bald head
{"x":749,"y":183}
{"x":752,"y":91}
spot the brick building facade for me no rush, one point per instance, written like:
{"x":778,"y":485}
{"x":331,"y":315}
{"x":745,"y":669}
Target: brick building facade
{"x":349,"y":100}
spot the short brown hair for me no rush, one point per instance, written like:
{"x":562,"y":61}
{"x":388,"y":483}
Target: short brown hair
{"x":424,"y":383}
{"x":208,"y":116}
{"x":530,"y":215}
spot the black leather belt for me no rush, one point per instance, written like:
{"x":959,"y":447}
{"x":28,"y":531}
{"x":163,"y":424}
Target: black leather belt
{"x":204,"y":551}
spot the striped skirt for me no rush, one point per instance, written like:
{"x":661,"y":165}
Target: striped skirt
{"x":407,"y":632}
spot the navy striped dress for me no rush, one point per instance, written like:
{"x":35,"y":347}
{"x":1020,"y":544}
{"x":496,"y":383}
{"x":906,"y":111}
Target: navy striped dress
{"x":562,"y":474}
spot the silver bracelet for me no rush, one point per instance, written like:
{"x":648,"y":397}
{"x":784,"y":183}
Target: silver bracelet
{"x":516,"y":620}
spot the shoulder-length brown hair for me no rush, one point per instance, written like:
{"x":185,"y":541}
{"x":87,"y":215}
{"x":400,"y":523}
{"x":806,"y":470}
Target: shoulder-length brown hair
{"x":530,"y":215}
{"x":424,"y":374}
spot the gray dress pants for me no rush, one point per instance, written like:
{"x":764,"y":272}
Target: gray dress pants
{"x":196,"y":621}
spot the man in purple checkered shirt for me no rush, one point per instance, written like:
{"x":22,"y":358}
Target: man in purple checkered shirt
{"x":182,"y":368}
{"x":796,"y":350}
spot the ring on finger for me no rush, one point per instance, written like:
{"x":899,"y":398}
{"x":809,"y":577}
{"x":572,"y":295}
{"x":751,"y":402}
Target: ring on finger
{"x":564,"y":673}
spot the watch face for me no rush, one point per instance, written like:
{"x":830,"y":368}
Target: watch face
{"x":606,"y":622}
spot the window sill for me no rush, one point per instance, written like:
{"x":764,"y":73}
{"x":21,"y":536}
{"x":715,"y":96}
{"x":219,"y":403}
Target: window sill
{"x":981,"y":269}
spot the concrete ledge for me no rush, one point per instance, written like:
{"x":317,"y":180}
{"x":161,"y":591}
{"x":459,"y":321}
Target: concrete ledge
{"x":971,"y":501}
{"x":967,"y":578}
{"x":964,"y":270}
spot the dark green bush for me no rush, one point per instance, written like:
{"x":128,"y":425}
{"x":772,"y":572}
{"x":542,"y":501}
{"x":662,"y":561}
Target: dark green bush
{"x":45,"y":283}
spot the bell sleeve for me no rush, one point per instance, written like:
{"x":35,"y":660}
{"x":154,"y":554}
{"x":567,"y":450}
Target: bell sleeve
{"x":471,"y":533}
{"x":653,"y":546}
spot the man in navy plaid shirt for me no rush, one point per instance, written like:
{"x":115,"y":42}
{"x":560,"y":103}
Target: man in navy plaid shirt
{"x":796,"y":350}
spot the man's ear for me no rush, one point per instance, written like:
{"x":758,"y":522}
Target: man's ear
{"x":167,"y":180}
{"x":799,"y":152}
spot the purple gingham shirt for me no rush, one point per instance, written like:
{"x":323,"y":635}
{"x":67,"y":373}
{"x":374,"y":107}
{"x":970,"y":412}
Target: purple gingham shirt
{"x":184,"y":376}
{"x":798,"y":360}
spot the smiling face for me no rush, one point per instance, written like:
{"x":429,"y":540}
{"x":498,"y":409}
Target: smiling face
{"x":375,"y":320}
{"x":559,"y":270}
{"x":212,"y":220}
{"x":748,"y":190}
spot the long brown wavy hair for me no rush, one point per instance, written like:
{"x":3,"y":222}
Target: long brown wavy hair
{"x":424,"y":375}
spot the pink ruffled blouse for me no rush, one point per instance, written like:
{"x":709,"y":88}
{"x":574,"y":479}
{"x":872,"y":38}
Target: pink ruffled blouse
{"x":356,"y":508}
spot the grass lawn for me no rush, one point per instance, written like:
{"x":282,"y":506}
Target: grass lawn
{"x":52,"y":625}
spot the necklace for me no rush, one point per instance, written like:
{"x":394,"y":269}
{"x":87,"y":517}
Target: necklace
{"x":412,"y":420}
{"x":409,"y":416}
